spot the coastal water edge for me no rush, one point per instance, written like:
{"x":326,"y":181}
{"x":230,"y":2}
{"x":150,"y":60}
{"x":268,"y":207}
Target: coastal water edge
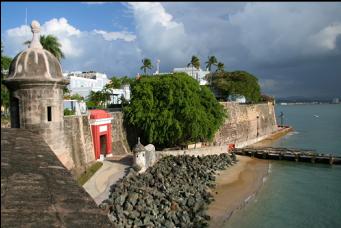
{"x":300,"y":194}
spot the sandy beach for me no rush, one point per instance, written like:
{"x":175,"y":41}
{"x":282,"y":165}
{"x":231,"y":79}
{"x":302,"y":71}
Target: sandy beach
{"x":235,"y":187}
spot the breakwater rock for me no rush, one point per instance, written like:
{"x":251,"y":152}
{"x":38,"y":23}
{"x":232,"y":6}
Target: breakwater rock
{"x":172,"y":193}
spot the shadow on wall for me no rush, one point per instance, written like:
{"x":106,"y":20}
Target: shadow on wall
{"x":132,"y":135}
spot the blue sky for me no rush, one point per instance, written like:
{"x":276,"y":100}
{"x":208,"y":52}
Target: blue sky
{"x":293,"y":48}
{"x":81,"y":15}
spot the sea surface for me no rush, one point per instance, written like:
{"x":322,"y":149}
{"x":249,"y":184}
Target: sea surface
{"x":300,"y":194}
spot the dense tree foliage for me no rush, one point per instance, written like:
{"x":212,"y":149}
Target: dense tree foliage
{"x":220,"y":67}
{"x":5,"y":63}
{"x":267,"y":98}
{"x":173,"y":109}
{"x":97,"y":99}
{"x":237,"y":83}
{"x":117,"y":82}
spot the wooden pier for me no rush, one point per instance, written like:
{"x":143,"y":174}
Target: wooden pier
{"x":289,"y":154}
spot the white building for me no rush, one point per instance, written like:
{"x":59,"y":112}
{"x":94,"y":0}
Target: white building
{"x":85,"y":82}
{"x":79,"y":107}
{"x":117,"y":95}
{"x":197,"y":74}
{"x":336,"y":100}
{"x":237,"y":98}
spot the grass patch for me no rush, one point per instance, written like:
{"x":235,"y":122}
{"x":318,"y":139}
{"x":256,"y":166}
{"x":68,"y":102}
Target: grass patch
{"x":89,"y":173}
{"x":5,"y":121}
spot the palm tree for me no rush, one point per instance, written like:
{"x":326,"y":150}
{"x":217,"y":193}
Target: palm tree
{"x":195,"y":62}
{"x":220,"y":67}
{"x":147,"y":64}
{"x":212,"y":60}
{"x":51,"y":44}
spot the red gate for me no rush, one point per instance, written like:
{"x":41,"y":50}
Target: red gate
{"x":100,"y":122}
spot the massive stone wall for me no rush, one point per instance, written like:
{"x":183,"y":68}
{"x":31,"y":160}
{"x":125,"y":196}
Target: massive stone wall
{"x":119,"y":135}
{"x":242,"y":127}
{"x":78,"y":141}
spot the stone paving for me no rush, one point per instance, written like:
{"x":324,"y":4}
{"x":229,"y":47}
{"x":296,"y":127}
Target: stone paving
{"x":113,"y":169}
{"x":37,"y":190}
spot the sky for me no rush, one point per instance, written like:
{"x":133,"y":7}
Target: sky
{"x":293,"y":48}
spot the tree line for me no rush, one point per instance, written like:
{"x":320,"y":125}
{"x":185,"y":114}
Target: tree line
{"x":167,"y":110}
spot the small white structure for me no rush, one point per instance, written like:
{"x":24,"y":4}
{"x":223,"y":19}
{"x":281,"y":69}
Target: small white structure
{"x":237,"y":98}
{"x":117,"y":95}
{"x":83,"y":83}
{"x":157,"y":66}
{"x":79,"y":107}
{"x":336,"y":100}
{"x":197,"y":74}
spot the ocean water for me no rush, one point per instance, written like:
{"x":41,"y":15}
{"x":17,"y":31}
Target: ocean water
{"x":300,"y":194}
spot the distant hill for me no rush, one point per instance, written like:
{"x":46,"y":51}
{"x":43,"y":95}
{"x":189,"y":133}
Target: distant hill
{"x":293,"y":99}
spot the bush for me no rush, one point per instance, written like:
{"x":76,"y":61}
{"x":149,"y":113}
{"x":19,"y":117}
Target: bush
{"x":69,"y":112}
{"x":267,"y":98}
{"x":237,"y":83}
{"x":173,"y":109}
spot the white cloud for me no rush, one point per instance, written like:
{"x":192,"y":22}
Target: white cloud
{"x":57,"y":27}
{"x":262,"y":38}
{"x":110,"y":36}
{"x":326,"y":38}
{"x":159,"y":36}
{"x":22,"y":31}
{"x":103,"y":51}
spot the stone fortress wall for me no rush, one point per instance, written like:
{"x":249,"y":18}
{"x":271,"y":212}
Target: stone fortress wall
{"x":78,"y":142}
{"x":119,"y":135}
{"x":240,"y":128}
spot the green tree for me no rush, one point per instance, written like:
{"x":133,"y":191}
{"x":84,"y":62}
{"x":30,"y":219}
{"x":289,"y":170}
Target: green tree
{"x":212,"y":61}
{"x":51,"y":44}
{"x":237,"y":83}
{"x":98,"y":99}
{"x":147,"y":64}
{"x":115,"y":83}
{"x":77,"y":97}
{"x":5,"y":64}
{"x":127,"y":80}
{"x":195,"y":62}
{"x":173,"y":109}
{"x":220,"y":67}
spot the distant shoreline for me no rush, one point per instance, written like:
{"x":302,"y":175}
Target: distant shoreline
{"x":305,"y":103}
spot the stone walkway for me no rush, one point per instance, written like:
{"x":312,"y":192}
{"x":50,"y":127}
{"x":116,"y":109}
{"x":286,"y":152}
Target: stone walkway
{"x":37,"y":190}
{"x":113,"y":169}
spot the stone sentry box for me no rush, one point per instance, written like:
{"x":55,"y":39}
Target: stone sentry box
{"x":36,"y":85}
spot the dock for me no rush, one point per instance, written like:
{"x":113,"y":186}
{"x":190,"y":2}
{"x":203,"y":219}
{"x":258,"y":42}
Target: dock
{"x":289,"y":154}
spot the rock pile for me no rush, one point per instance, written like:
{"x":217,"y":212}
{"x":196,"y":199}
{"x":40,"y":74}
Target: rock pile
{"x":172,"y":193}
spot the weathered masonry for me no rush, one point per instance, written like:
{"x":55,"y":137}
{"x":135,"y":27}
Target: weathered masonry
{"x":36,"y":85}
{"x":37,"y":190}
{"x":36,"y":88}
{"x":246,"y":124}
